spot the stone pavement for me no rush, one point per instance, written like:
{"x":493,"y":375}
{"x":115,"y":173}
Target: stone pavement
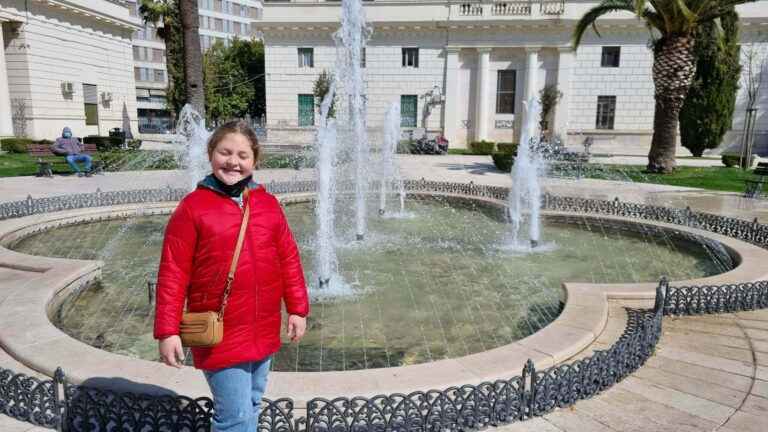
{"x":709,"y":373}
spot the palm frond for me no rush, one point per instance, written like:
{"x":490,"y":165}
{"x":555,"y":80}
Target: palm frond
{"x":591,"y":16}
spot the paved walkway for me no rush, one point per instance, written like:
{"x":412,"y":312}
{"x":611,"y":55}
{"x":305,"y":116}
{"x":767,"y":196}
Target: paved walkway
{"x":709,"y":373}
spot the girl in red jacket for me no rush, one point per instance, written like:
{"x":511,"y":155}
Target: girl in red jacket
{"x":197,"y":252}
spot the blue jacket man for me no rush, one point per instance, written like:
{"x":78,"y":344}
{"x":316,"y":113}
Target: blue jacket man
{"x":72,"y":148}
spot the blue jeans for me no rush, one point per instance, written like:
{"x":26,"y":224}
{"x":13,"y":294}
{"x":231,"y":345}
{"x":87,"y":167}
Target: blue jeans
{"x":73,"y":159}
{"x":237,"y":392}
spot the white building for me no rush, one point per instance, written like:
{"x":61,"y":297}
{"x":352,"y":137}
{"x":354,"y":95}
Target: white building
{"x":464,"y":68}
{"x":220,"y":20}
{"x":65,"y":63}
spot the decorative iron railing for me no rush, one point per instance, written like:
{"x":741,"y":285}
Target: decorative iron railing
{"x":467,"y":408}
{"x":752,"y":232}
{"x":714,"y":299}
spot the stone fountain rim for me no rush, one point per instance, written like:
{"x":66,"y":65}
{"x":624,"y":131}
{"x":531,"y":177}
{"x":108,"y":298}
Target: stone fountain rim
{"x":32,"y":339}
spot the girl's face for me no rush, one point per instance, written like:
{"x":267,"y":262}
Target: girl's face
{"x":232,"y":159}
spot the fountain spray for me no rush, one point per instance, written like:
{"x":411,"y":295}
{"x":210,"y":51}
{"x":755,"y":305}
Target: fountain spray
{"x":194,"y":136}
{"x":326,"y":143}
{"x":390,"y":172}
{"x":528,"y":166}
{"x":351,"y":39}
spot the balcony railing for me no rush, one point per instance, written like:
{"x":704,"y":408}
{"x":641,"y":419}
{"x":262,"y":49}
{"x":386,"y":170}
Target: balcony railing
{"x":511,"y":8}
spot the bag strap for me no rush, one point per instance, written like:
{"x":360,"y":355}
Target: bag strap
{"x":231,"y":275}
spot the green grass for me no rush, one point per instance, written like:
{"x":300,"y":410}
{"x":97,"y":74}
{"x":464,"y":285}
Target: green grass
{"x":699,"y":157}
{"x":20,"y":164}
{"x":460,"y":151}
{"x":712,"y":178}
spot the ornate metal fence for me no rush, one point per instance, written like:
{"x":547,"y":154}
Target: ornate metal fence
{"x":752,"y":232}
{"x":714,"y":299}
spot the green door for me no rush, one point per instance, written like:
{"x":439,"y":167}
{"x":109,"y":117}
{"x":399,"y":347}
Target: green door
{"x":408,"y":110}
{"x":306,"y":110}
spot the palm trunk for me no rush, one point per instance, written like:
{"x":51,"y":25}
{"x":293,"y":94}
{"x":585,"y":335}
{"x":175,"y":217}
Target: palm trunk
{"x":674,"y":65}
{"x":193,"y":57}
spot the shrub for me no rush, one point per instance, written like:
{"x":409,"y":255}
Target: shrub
{"x":507,"y":147}
{"x":43,"y":141}
{"x":103,"y":143}
{"x":15,"y":145}
{"x":114,"y":161}
{"x":133,"y":144}
{"x":481,"y":147}
{"x":503,"y":161}
{"x":404,"y":146}
{"x":733,"y":159}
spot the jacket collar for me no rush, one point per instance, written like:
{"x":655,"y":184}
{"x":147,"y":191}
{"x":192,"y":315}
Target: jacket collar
{"x":210,"y":183}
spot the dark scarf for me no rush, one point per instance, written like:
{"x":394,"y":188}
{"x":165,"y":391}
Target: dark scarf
{"x":233,"y":190}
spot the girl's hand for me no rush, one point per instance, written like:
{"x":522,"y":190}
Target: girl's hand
{"x":296,"y":327}
{"x":171,"y":350}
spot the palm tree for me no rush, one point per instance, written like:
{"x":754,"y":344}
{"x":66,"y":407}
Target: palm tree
{"x":674,"y":61}
{"x":167,"y":12}
{"x":180,"y":34}
{"x":193,"y":56}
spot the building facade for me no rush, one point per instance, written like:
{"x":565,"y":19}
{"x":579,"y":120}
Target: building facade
{"x":464,"y":69}
{"x":65,"y":63}
{"x":220,"y":20}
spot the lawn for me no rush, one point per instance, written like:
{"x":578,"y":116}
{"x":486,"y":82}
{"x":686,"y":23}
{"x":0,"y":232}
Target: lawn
{"x":712,"y":178}
{"x":20,"y":164}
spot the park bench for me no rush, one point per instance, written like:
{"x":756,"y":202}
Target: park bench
{"x":755,"y":186}
{"x":44,"y":150}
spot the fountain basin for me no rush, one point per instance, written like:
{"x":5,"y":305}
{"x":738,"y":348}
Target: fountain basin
{"x":32,"y":339}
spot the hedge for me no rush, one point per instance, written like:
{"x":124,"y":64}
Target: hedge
{"x":733,"y":159}
{"x":507,"y":147}
{"x":104,"y":142}
{"x":481,"y":147}
{"x":15,"y":145}
{"x":503,"y":161}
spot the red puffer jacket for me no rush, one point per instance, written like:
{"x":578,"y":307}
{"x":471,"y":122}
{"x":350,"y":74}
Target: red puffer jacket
{"x":197,"y":252}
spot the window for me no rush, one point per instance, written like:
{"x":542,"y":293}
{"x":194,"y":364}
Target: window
{"x":142,"y":74}
{"x":91,"y":104}
{"x":306,"y":110}
{"x":610,"y":57}
{"x":411,"y":57}
{"x":606,"y":110}
{"x":306,"y":57}
{"x":505,"y":91}
{"x":408,"y":110}
{"x":362,"y":57}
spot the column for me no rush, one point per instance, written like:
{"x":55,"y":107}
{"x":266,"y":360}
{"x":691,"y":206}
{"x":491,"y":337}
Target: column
{"x":451,"y":91}
{"x":564,"y":67}
{"x":6,"y":122}
{"x":531,"y":69}
{"x":481,"y":99}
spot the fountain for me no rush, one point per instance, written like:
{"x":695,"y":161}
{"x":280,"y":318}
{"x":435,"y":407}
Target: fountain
{"x":390,"y":172}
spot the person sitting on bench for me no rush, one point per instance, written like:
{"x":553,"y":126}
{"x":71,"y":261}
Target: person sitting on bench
{"x":72,"y":148}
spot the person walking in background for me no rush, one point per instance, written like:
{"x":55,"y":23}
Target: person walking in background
{"x":72,"y":148}
{"x":199,"y":245}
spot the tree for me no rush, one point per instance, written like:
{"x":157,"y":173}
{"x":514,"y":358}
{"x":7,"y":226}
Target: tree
{"x":193,"y":56}
{"x":167,"y":12}
{"x":754,"y":58}
{"x":250,"y":56}
{"x":707,"y":113}
{"x":321,"y":88}
{"x":549,"y":96}
{"x":674,"y":59}
{"x":229,"y":90}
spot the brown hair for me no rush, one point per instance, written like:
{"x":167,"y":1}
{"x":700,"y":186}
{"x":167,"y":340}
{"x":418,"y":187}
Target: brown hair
{"x":235,"y":127}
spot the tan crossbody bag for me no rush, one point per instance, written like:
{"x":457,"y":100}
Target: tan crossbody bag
{"x":206,"y":329}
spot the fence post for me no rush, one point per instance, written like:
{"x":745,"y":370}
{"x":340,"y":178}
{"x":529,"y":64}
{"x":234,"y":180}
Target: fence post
{"x":60,"y":399}
{"x":661,"y":296}
{"x":529,"y":389}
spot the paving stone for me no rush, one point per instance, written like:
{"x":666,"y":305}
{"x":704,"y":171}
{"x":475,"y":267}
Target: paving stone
{"x":746,"y":422}
{"x":738,"y":354}
{"x":572,"y":420}
{"x":761,"y":372}
{"x":760,"y":388}
{"x":713,"y":362}
{"x":756,"y":405}
{"x":694,"y":336}
{"x":618,"y":418}
{"x":758,"y":334}
{"x":704,"y":390}
{"x":537,"y":424}
{"x":10,"y":424}
{"x":681,"y":401}
{"x":704,"y":326}
{"x":701,"y":373}
{"x":754,"y":324}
